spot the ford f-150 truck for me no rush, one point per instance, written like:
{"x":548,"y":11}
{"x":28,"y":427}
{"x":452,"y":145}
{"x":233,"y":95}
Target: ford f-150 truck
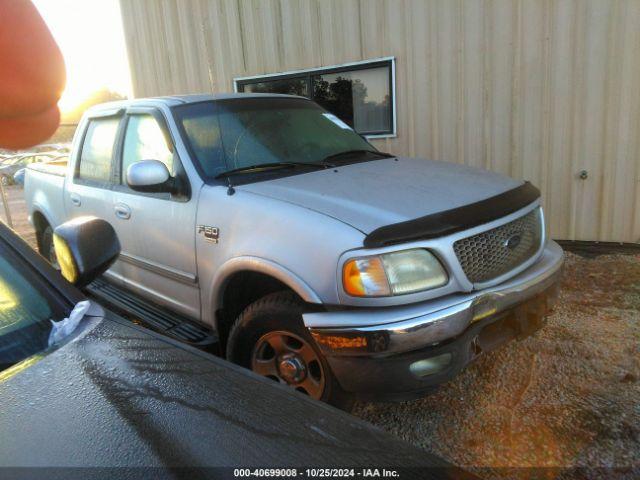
{"x":317,"y":260}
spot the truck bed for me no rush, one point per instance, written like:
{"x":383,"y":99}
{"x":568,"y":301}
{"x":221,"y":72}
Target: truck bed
{"x":57,"y":167}
{"x":44,"y":190}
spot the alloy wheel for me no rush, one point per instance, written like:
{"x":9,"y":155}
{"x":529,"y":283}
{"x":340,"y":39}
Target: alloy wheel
{"x":286,"y":358}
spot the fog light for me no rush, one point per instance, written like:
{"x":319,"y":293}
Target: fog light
{"x":429,"y":366}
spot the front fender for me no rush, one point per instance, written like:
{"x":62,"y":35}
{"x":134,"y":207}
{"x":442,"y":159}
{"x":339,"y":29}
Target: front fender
{"x":260,"y":265}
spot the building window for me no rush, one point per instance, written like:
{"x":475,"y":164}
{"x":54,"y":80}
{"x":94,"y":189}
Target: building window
{"x":360,"y":94}
{"x":288,"y":86}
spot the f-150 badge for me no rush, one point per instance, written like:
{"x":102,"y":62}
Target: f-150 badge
{"x":210,"y":233}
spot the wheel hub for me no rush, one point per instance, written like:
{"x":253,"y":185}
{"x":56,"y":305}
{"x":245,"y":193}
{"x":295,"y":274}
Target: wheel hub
{"x":289,"y":359}
{"x":292,"y":368}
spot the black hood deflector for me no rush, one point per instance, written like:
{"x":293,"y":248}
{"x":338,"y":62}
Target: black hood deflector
{"x":454,"y":220}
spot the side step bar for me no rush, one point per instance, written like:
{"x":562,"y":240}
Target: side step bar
{"x":141,"y":311}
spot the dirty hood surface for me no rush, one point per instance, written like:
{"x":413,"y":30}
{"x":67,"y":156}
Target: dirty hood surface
{"x":121,"y":396}
{"x":376,"y":193}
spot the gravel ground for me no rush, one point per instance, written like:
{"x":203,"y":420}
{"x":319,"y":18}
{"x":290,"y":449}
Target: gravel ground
{"x":567,"y":396}
{"x":18,"y":212}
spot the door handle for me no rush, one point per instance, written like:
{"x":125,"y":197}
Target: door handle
{"x":122,"y":211}
{"x":75,"y":199}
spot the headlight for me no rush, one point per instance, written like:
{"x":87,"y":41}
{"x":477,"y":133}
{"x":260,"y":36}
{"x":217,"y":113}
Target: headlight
{"x":395,"y":273}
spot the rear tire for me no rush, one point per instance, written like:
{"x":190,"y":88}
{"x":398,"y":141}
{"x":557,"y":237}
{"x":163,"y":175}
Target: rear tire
{"x":45,"y":246}
{"x":269,"y":338}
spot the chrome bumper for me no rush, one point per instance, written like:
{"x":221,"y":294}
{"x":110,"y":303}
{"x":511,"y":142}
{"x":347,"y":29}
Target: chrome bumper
{"x":385,"y":331}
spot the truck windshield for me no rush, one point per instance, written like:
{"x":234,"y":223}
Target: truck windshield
{"x":26,"y":310}
{"x":237,"y":133}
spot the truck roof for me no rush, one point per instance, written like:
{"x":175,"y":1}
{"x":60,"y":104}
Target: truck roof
{"x":172,"y":100}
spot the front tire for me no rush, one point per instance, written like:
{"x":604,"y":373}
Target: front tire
{"x":269,"y":338}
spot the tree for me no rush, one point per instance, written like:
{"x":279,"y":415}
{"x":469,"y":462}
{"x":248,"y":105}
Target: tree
{"x":339,"y":96}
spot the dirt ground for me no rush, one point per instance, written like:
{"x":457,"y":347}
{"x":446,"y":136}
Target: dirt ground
{"x":568,"y":396}
{"x":18,"y":212}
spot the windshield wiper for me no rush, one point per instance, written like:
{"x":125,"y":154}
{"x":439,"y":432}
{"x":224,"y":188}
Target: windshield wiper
{"x":272,"y":166}
{"x":267,"y":166}
{"x":357,"y":152}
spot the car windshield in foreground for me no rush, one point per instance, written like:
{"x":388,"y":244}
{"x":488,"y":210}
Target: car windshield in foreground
{"x":278,"y":133}
{"x":27,"y":307}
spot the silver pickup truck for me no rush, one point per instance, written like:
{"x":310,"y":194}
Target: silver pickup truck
{"x":317,"y":260}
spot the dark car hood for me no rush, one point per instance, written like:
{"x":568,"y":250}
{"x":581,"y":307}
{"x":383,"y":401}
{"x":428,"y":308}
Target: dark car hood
{"x":122,"y":396}
{"x":373,"y":194}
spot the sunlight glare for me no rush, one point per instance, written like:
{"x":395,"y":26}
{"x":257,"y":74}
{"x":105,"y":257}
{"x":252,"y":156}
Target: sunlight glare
{"x":90,"y":35}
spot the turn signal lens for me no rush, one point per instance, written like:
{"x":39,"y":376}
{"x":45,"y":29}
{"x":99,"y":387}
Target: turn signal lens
{"x":365,"y":277}
{"x":336,"y":342}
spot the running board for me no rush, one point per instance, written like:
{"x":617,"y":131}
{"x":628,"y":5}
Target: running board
{"x":138,"y":310}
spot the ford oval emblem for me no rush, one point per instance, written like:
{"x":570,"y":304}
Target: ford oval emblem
{"x":513,"y":241}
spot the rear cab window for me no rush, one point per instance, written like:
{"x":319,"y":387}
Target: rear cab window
{"x":97,"y":150}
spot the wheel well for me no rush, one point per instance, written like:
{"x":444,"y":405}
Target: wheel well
{"x":39,"y":221}
{"x":241,"y":290}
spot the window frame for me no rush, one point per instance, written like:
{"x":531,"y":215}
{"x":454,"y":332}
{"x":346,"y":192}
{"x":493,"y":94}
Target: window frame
{"x":240,"y":82}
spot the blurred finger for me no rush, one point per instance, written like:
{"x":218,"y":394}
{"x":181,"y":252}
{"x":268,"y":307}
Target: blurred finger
{"x":32,"y":66}
{"x":28,"y":130}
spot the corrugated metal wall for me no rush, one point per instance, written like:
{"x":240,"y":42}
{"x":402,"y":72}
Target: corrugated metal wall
{"x":536,"y":89}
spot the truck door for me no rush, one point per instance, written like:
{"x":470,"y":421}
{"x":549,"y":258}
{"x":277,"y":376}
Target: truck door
{"x":156,"y":230}
{"x":88,"y":188}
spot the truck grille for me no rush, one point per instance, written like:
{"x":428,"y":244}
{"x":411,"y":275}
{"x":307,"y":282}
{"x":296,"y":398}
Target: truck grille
{"x":489,"y":254}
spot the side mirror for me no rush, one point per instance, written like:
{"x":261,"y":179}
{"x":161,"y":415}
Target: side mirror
{"x":149,"y":176}
{"x":85,"y":248}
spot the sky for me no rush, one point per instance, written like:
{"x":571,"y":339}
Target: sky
{"x":90,"y":35}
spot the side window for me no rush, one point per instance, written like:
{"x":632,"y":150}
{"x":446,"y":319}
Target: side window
{"x":145,"y":140}
{"x":97,"y":149}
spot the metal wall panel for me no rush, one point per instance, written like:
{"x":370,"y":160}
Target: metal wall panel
{"x":536,"y":89}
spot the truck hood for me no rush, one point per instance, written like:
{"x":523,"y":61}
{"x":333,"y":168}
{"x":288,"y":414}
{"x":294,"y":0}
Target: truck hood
{"x":373,"y":194}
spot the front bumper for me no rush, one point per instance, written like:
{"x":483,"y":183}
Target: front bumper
{"x":374,"y":352}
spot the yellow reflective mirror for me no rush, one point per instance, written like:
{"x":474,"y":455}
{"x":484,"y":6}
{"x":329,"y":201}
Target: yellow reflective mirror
{"x":67,"y":263}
